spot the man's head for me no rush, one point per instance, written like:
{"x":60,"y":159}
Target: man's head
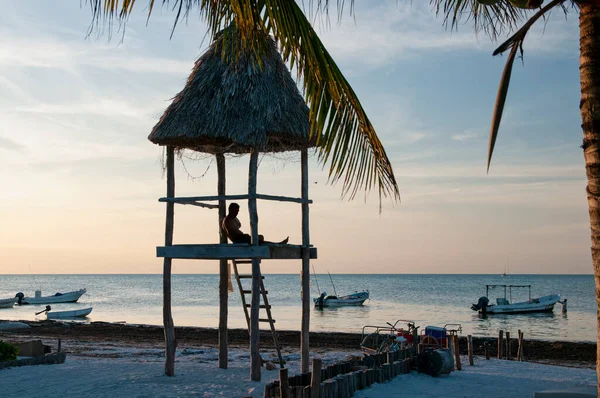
{"x":234,"y":209}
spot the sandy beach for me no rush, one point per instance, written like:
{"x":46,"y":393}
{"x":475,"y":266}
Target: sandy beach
{"x":118,"y":360}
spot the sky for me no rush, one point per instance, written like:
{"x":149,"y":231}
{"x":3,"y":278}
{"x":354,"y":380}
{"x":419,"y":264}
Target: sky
{"x":81,"y":181}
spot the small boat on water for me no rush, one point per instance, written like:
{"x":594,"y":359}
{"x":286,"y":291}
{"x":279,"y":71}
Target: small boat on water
{"x":69,"y":297}
{"x":353,"y":299}
{"x":80,"y":313}
{"x":504,"y":305}
{"x":7,"y":303}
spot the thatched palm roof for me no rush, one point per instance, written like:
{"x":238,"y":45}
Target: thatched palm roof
{"x":232,"y":104}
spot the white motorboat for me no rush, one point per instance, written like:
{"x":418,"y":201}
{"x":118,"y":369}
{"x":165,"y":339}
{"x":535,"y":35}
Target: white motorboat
{"x":504,"y":305}
{"x":354,"y":299}
{"x":80,"y":313}
{"x":7,"y":303}
{"x":68,"y":314}
{"x":69,"y":297}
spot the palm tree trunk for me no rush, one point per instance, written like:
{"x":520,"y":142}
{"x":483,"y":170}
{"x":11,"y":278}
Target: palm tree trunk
{"x":589,"y":69}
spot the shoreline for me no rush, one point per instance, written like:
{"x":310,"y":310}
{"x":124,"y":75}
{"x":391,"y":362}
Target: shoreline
{"x":564,"y":353}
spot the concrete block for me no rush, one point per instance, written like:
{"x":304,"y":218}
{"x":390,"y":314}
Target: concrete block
{"x":33,"y":348}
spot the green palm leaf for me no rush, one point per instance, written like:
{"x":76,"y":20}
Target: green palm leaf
{"x":493,"y":19}
{"x":346,"y":139}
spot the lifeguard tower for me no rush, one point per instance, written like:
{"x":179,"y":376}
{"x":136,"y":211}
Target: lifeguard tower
{"x":236,"y":102}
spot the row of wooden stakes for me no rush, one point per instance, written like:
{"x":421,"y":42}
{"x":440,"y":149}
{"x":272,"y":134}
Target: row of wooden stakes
{"x":503,"y":353}
{"x":343,"y":379}
{"x":341,"y":385}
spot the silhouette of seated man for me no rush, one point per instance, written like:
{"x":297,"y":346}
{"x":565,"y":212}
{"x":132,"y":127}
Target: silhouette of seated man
{"x":231,"y":226}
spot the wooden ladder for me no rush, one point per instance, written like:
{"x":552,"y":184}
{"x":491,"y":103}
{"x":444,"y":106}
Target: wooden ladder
{"x":264,"y":306}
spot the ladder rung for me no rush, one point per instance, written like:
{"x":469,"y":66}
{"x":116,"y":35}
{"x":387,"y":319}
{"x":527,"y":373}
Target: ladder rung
{"x":250,"y":291}
{"x":248,"y":277}
{"x":266,"y":320}
{"x":261,"y":306}
{"x":243,"y":261}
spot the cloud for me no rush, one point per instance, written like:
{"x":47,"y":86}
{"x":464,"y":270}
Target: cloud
{"x":382,"y":35}
{"x":10,"y":145}
{"x":415,"y":136}
{"x":103,"y":106}
{"x":70,"y":55}
{"x":467,"y":170}
{"x":558,"y":229}
{"x":466,"y":136}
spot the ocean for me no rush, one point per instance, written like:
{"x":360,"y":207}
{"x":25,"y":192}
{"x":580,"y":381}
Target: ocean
{"x":426,"y":299}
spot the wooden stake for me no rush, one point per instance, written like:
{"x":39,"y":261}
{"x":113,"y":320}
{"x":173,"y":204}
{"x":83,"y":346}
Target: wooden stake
{"x":486,"y":351}
{"x":315,"y":380}
{"x":521,"y":344}
{"x":470,"y":348}
{"x":304,"y":336}
{"x":507,"y":346}
{"x":255,"y":359}
{"x":457,"y":352}
{"x":284,"y":385}
{"x":224,"y":276}
{"x":170,"y":342}
{"x":500,"y":334}
{"x":451,"y":347}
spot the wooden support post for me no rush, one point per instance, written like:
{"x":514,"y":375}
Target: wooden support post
{"x":307,"y":392}
{"x":284,"y":386}
{"x":486,"y":351}
{"x":315,"y":380}
{"x":223,"y":271}
{"x":304,"y":336}
{"x":267,"y":393}
{"x":521,"y":344}
{"x":386,"y":371}
{"x":457,"y":352}
{"x":500,"y":334}
{"x":369,"y":377}
{"x":507,"y":346}
{"x":451,"y":348}
{"x":341,"y":385}
{"x":169,"y":327}
{"x":255,"y":359}
{"x":470,"y":347}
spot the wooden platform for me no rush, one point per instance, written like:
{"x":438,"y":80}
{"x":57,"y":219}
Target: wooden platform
{"x":233,"y":251}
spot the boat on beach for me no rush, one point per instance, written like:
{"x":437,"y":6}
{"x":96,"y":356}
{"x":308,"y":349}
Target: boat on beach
{"x":69,"y":297}
{"x":67,"y":314}
{"x":7,"y":303}
{"x":505,"y":305}
{"x":354,"y":299}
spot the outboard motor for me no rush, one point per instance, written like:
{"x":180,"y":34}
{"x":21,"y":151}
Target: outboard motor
{"x":482,"y":304}
{"x":19,"y":297}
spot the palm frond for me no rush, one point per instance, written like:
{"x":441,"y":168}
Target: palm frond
{"x":501,"y":100}
{"x":493,"y":20}
{"x":345,"y":137}
{"x":515,"y":42}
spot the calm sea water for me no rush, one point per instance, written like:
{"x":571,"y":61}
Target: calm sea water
{"x":426,"y":299}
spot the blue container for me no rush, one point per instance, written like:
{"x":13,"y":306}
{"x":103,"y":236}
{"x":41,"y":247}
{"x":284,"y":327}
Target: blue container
{"x":435,"y":331}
